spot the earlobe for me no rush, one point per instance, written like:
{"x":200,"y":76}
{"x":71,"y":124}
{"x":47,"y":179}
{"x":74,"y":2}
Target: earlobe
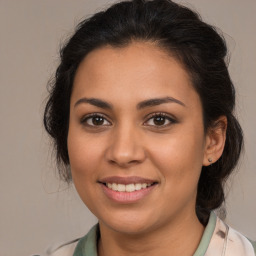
{"x":215,"y":141}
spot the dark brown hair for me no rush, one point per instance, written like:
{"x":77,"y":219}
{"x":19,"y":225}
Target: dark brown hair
{"x":181,"y":32}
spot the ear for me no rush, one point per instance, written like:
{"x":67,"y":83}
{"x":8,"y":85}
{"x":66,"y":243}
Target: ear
{"x":215,"y":141}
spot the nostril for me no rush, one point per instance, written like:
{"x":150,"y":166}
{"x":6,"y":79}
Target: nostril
{"x":112,"y":161}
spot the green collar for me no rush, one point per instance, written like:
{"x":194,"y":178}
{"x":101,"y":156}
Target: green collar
{"x":87,"y":245}
{"x":207,"y":235}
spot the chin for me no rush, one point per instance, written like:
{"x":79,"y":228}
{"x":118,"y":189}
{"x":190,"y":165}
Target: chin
{"x":128,"y":223}
{"x":128,"y":228}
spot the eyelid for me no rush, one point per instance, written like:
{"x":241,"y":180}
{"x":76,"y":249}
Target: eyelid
{"x":172,"y":119}
{"x":91,"y":115}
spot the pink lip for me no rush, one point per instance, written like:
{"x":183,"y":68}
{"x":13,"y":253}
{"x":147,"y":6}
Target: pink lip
{"x":126,"y":197}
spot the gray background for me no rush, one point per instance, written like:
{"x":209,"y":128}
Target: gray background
{"x":36,"y":209}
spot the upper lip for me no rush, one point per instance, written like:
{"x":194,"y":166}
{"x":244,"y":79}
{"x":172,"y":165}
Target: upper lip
{"x":126,"y":180}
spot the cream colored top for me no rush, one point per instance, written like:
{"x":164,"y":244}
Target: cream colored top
{"x":218,"y":240}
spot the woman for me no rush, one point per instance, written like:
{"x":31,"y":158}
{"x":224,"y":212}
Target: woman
{"x":141,"y":113}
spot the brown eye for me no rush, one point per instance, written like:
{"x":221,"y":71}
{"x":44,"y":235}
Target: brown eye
{"x":159,"y":120}
{"x":95,"y":120}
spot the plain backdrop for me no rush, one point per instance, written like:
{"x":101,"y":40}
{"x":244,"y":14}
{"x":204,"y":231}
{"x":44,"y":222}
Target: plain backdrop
{"x":38,"y":211}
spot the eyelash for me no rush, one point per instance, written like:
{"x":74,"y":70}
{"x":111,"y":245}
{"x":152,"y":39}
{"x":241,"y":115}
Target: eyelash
{"x":85,"y":119}
{"x":171,"y":120}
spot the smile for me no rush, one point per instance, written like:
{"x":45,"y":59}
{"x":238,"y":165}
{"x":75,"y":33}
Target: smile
{"x":128,"y":187}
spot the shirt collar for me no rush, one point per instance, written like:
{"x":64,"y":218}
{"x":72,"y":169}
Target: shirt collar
{"x":88,"y":244}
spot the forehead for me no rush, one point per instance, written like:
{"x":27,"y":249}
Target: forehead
{"x":138,"y":71}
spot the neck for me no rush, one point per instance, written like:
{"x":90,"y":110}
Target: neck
{"x":179,"y":237}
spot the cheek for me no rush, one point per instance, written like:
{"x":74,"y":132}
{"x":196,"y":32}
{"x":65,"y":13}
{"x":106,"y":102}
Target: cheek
{"x":179,"y":157}
{"x":179,"y":162}
{"x":83,"y":156}
{"x":84,"y":162}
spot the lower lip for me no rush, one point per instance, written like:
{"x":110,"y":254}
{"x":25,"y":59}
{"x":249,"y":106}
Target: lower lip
{"x":127,"y":197}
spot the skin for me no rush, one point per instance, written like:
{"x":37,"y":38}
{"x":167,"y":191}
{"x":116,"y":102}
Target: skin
{"x":129,"y":142}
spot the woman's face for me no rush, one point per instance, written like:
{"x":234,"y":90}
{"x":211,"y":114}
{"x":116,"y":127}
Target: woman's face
{"x":136,"y":140}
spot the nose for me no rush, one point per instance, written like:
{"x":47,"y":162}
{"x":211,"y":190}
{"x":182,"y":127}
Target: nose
{"x":126,"y":148}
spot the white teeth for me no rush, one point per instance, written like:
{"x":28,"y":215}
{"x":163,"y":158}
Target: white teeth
{"x":138,"y":186}
{"x":121,"y":187}
{"x":128,"y":187}
{"x":114,"y":186}
{"x":144,"y":185}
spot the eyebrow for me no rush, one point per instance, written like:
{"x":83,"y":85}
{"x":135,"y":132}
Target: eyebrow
{"x":95,"y":102}
{"x":158,"y":101}
{"x":146,"y":103}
